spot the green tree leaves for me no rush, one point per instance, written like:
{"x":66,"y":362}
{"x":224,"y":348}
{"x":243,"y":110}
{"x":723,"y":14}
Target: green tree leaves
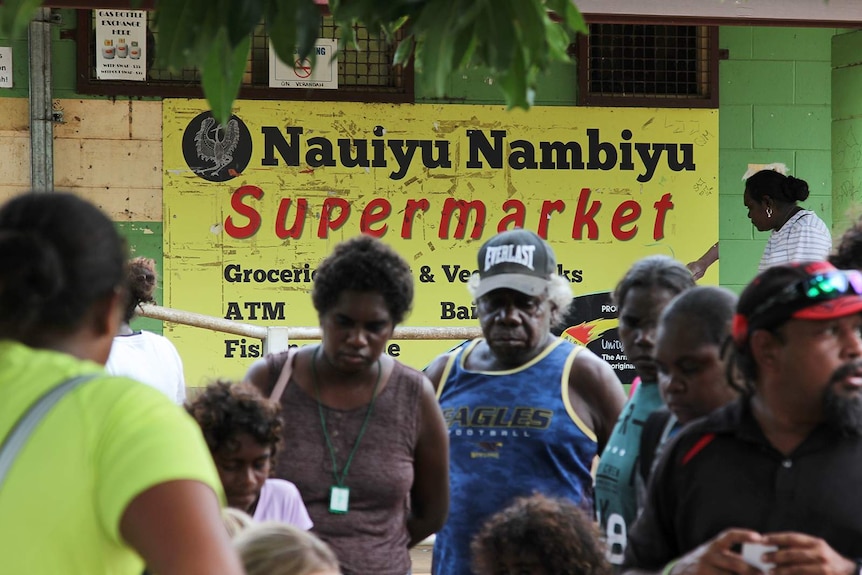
{"x":292,"y":25}
{"x":514,"y":39}
{"x":221,"y":73}
{"x":15,"y":15}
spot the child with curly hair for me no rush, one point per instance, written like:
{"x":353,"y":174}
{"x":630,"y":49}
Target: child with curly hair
{"x":243,"y":432}
{"x":539,"y":535}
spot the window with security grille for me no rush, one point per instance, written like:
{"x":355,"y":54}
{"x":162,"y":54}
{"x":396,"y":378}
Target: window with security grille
{"x":648,"y":65}
{"x":365,"y":74}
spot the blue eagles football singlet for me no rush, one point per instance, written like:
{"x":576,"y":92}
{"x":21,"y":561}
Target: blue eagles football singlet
{"x":512,"y":433}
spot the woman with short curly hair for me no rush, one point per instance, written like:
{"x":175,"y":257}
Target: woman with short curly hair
{"x":243,"y":432}
{"x":368,"y":443}
{"x":539,"y":535}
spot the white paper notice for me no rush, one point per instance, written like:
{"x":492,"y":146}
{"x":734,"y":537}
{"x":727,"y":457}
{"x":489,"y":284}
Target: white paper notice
{"x":121,"y":45}
{"x":301,"y":73}
{"x":5,"y":67}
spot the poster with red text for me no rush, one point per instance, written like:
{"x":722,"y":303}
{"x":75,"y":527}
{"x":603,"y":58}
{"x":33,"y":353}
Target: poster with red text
{"x":252,"y":207}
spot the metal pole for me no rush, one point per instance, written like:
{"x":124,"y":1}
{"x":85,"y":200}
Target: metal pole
{"x":293,"y":333}
{"x":41,"y":119}
{"x":204,"y":321}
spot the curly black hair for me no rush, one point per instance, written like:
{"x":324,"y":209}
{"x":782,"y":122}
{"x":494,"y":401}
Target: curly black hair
{"x":364,"y":264}
{"x":554,"y":531}
{"x":225,"y":410}
{"x":848,"y":254}
{"x":141,"y":282}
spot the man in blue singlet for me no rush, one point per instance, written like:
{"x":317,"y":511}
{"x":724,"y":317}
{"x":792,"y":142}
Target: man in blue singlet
{"x":527,"y":412}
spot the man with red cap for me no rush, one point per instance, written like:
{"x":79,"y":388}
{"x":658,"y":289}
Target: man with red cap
{"x":771,"y":481}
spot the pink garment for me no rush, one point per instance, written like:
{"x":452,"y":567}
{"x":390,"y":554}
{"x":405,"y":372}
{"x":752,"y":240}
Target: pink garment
{"x":280,"y":501}
{"x":635,"y":383}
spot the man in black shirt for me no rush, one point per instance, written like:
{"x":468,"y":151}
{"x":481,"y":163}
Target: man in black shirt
{"x":782,"y":467}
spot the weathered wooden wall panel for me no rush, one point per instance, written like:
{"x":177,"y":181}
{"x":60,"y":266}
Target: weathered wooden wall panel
{"x":106,"y":151}
{"x":109,"y":120}
{"x":14,"y":147}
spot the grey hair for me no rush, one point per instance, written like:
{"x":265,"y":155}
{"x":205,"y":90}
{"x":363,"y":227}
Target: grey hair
{"x":559,"y":294}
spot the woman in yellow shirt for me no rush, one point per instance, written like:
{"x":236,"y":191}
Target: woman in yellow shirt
{"x":114,"y":475}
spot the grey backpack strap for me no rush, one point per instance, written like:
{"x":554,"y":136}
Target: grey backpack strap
{"x":30,"y":419}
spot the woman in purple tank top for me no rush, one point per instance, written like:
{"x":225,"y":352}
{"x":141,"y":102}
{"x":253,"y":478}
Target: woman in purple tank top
{"x":364,"y":438}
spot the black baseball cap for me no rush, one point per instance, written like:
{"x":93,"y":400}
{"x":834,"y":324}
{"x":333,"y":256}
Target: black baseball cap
{"x":515,"y":259}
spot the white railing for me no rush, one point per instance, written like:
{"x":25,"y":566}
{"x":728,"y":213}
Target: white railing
{"x":276,"y":339}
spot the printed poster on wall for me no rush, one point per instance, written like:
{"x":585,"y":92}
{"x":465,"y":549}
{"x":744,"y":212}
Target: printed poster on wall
{"x":251,"y":208}
{"x":121,"y":45}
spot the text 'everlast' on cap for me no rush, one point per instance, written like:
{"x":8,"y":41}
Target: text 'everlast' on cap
{"x":515,"y":259}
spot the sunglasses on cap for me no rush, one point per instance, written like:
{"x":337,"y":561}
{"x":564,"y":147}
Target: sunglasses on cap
{"x":815,"y":297}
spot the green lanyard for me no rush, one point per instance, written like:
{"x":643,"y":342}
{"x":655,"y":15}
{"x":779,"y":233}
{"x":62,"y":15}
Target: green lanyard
{"x":339,"y":481}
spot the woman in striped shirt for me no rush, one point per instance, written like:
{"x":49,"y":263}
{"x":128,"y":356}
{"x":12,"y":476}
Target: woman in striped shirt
{"x":797,"y":234}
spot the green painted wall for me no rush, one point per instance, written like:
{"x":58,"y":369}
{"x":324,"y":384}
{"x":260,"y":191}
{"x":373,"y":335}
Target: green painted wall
{"x":63,"y":58}
{"x":558,"y":87}
{"x":846,"y":130}
{"x":775,"y":106}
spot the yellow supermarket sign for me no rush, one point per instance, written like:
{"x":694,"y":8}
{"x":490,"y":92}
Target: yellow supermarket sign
{"x":251,"y":208}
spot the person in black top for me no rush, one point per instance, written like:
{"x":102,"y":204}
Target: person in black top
{"x":780,"y":467}
{"x":691,"y":361}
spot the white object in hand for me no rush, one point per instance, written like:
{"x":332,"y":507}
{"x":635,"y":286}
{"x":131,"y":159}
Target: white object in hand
{"x":752,"y":553}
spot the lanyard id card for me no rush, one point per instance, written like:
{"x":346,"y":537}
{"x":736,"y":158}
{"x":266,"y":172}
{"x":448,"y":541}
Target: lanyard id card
{"x":339,"y":496}
{"x":339,"y":499}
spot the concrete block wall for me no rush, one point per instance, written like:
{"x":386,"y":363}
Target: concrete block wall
{"x":558,"y":87}
{"x":846,"y":130}
{"x":775,"y":106}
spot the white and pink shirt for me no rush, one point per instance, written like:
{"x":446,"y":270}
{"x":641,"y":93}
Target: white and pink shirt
{"x":280,"y":501}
